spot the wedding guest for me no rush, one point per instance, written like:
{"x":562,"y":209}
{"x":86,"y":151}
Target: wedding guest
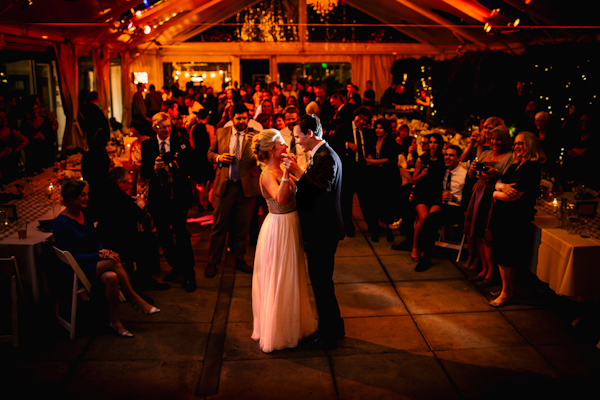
{"x":450,"y":213}
{"x":204,"y":171}
{"x":121,"y":228}
{"x":39,"y":152}
{"x":75,"y":232}
{"x":278,"y":121}
{"x":11,"y":144}
{"x":513,"y":212}
{"x":235,"y":189}
{"x":427,"y":178}
{"x":166,"y":166}
{"x":490,"y":166}
{"x":383,"y":178}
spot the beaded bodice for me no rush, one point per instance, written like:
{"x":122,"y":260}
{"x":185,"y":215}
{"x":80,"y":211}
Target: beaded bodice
{"x":274,"y":206}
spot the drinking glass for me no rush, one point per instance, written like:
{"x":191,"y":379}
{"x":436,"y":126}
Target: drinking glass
{"x":22,"y":229}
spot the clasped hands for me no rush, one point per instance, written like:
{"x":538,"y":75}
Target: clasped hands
{"x":290,"y":163}
{"x":106,"y":254}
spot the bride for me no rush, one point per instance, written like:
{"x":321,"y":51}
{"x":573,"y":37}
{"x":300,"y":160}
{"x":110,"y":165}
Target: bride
{"x":280,"y":304}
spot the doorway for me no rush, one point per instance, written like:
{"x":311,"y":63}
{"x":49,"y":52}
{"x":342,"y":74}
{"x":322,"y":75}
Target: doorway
{"x":253,"y":70}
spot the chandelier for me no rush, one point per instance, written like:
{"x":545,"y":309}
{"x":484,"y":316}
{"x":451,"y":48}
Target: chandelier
{"x":322,"y":6}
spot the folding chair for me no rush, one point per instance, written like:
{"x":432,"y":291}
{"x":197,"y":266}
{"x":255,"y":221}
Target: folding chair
{"x":10,"y":270}
{"x":442,"y":242}
{"x":79,"y":280}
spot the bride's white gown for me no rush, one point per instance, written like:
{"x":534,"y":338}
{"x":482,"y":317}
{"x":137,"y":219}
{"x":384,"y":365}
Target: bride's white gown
{"x":280,"y":303}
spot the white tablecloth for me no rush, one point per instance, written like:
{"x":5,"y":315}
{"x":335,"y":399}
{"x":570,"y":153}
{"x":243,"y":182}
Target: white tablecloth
{"x":569,"y":263}
{"x":28,"y":253}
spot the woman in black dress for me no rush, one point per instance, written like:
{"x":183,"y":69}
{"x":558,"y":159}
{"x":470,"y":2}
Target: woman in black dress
{"x":427,"y":178}
{"x":513,"y":212}
{"x":384,"y":177}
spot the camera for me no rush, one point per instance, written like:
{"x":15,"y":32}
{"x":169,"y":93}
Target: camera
{"x":170,"y":160}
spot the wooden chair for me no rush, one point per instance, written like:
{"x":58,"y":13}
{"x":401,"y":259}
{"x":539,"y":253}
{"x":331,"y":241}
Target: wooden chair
{"x":81,"y":287}
{"x":10,"y":270}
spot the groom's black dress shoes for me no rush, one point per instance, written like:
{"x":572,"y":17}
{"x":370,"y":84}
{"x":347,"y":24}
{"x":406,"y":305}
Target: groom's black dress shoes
{"x":243,"y":266}
{"x":317,"y":342}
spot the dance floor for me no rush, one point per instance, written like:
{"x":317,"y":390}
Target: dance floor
{"x":409,"y":335}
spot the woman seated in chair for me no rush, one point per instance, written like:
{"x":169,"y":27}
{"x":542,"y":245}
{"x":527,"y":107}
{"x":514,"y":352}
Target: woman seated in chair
{"x":75,"y":233}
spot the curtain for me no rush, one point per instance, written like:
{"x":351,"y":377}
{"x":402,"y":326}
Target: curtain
{"x":66,"y":55}
{"x":375,"y":68}
{"x":127,"y":87}
{"x":102,"y":59}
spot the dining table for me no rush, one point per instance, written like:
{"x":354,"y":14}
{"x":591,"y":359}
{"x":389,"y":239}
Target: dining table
{"x":564,"y":259}
{"x":39,"y":202}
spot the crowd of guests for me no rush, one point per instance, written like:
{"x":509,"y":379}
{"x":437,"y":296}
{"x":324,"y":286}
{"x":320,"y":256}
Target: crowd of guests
{"x":28,"y":137}
{"x":414,"y":183}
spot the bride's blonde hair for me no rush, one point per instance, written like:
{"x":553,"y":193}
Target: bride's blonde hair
{"x":263,"y":142}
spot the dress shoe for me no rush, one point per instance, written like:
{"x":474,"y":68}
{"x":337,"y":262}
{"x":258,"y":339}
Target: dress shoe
{"x":375,"y":237}
{"x":500,"y":302}
{"x":151,"y":311}
{"x":189,"y":285}
{"x":350,"y":233}
{"x":124,"y":333}
{"x":389,"y":235}
{"x":423,"y":265}
{"x":243,"y":266}
{"x":316,"y":342}
{"x":172,"y":275}
{"x":395,"y":225}
{"x":210,"y":271}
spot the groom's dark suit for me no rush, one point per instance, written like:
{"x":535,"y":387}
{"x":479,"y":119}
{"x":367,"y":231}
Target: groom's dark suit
{"x":322,"y":228}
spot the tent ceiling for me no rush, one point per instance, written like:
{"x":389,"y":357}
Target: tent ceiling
{"x":441,"y":24}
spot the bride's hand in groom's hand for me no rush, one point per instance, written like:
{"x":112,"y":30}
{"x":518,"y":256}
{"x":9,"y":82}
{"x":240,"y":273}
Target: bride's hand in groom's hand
{"x":290,"y":164}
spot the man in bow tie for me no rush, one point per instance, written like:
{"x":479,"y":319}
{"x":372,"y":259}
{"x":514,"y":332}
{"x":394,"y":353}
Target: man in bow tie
{"x":235,"y":189}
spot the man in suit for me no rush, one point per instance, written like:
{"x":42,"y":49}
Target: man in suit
{"x":350,"y":141}
{"x":318,"y":199}
{"x":342,"y":112}
{"x":450,"y":213}
{"x":96,"y":123}
{"x":166,"y":164}
{"x":235,"y":189}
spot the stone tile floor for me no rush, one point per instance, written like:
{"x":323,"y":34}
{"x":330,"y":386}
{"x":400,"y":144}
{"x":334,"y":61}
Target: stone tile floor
{"x":429,"y":335}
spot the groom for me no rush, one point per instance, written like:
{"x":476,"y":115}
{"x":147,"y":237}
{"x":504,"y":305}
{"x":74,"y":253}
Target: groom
{"x":320,"y":214}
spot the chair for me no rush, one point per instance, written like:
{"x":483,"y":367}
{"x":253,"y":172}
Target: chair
{"x":442,"y":242}
{"x":79,"y":278}
{"x":9,"y":269}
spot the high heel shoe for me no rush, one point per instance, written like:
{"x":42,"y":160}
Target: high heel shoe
{"x":124,"y":333}
{"x":414,"y":258}
{"x":152,"y":310}
{"x":501,"y":302}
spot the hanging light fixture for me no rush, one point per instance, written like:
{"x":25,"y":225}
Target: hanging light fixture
{"x":322,"y":6}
